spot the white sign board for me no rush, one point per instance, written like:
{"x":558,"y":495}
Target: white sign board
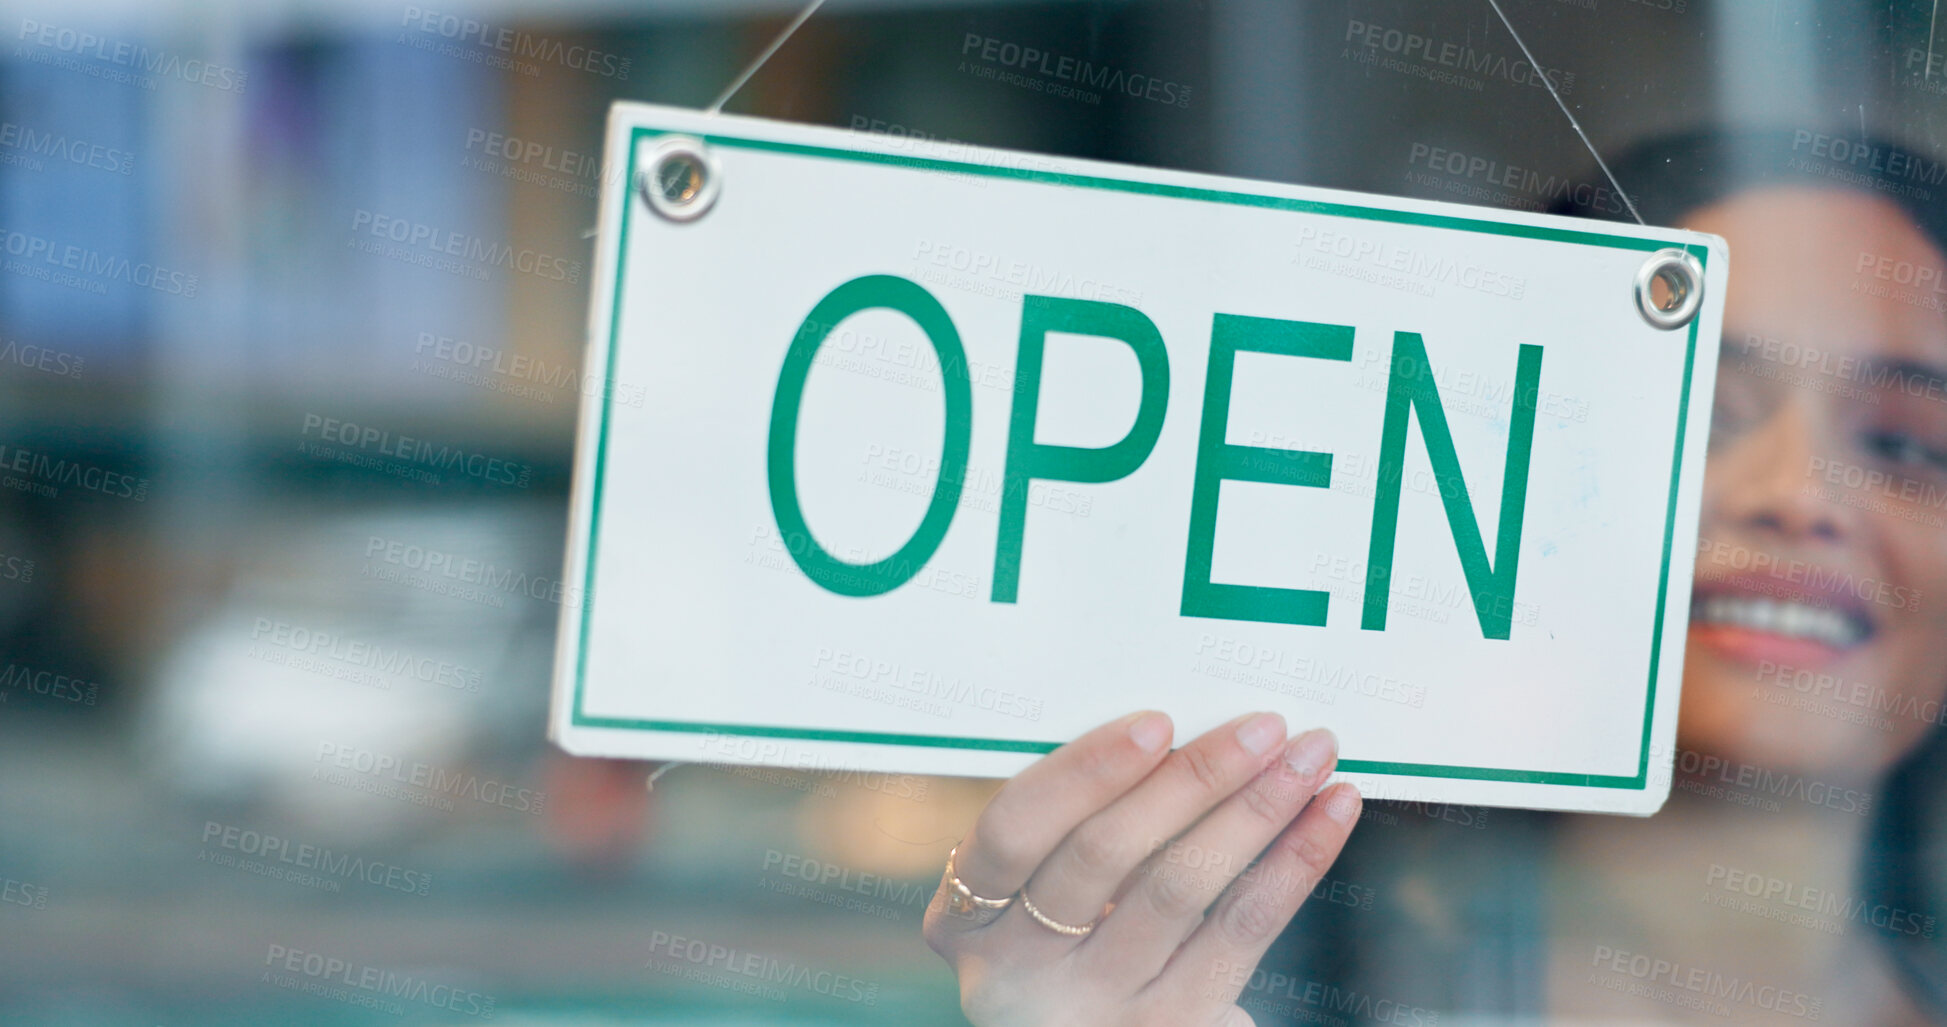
{"x":939,"y":456}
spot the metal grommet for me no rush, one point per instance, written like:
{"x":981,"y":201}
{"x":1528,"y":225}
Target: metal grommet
{"x":681,"y":180}
{"x":1682,"y":276}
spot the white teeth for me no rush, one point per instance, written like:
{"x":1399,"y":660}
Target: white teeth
{"x":1779,"y":617}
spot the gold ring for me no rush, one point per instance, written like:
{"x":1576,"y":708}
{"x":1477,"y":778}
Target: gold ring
{"x":964,"y":900}
{"x":1055,"y":925}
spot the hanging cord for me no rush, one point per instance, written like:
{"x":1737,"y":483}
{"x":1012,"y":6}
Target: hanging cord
{"x":713,"y":110}
{"x":1576,"y":125}
{"x":803,"y":16}
{"x":812,"y":8}
{"x":1932,"y":21}
{"x":650,"y":785}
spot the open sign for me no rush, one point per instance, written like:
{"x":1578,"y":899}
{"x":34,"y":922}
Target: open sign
{"x":1095,"y":438}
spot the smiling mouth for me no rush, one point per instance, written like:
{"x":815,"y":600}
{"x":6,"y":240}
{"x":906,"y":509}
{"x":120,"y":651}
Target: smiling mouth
{"x":1786,"y":618}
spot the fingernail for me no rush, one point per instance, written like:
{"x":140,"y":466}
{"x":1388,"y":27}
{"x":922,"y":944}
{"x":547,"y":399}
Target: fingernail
{"x":1260,"y":733}
{"x":1151,"y":731}
{"x":1310,"y":753}
{"x":1343,"y":804}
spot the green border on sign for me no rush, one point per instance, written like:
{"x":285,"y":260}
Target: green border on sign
{"x":1181,"y":192}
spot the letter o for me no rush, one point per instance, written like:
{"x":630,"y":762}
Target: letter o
{"x":871,"y":292}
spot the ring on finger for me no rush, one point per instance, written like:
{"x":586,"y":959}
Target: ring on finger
{"x":1071,"y":930}
{"x":964,"y":901}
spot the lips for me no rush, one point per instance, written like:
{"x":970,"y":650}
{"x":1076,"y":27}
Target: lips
{"x":1756,"y":619}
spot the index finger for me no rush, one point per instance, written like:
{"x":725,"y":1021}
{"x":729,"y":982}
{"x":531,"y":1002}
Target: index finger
{"x":1034,"y":811}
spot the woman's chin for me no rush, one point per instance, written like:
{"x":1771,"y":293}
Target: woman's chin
{"x":1739,"y":711}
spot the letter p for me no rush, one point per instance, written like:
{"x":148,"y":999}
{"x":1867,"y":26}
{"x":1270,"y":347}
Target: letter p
{"x":1028,"y":460}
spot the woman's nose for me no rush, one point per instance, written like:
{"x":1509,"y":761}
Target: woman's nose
{"x":1760,"y":481}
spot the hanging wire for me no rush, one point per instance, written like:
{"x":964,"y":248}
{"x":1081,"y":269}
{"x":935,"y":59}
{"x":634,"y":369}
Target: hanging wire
{"x":812,"y":7}
{"x":1574,"y":124}
{"x":650,"y":785}
{"x":789,"y":30}
{"x":714,"y":109}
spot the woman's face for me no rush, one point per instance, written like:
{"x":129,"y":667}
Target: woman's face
{"x":1818,"y":630}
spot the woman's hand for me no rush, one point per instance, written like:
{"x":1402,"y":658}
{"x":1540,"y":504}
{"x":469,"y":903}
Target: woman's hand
{"x":1115,"y":819}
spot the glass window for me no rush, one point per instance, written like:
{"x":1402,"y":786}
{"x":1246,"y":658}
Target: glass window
{"x":293,"y":300}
